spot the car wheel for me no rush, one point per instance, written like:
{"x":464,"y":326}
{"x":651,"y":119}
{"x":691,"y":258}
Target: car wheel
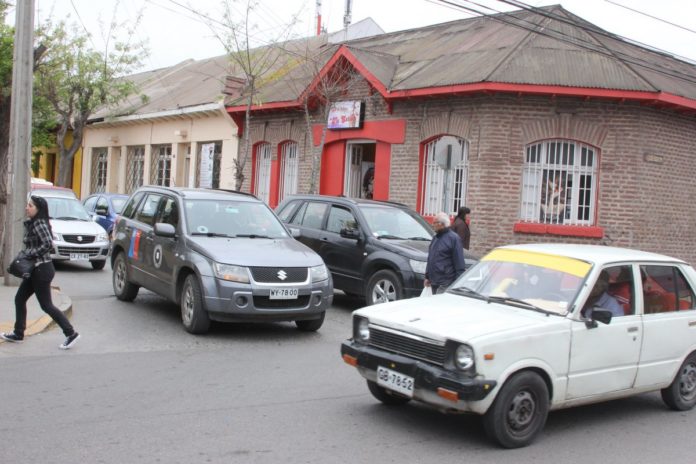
{"x":98,"y":265}
{"x":311,"y":325}
{"x":383,"y":286}
{"x":386,"y":396}
{"x":519,"y":412}
{"x":123,"y":288}
{"x":681,"y":394}
{"x":193,"y":315}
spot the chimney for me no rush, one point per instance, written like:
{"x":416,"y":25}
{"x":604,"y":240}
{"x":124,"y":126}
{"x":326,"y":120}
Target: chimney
{"x":318,"y":17}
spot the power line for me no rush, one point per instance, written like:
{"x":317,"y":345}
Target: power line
{"x":651,"y":16}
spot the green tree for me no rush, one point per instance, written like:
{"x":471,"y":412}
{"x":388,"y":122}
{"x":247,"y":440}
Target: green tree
{"x":74,"y":80}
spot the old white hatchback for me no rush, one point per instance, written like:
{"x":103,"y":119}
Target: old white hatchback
{"x":532,"y":328}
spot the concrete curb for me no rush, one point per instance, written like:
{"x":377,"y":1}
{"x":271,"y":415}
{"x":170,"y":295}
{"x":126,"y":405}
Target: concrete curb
{"x":37,"y":320}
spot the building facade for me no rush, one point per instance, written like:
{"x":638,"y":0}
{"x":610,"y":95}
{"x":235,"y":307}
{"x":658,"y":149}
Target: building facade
{"x":599,"y":155}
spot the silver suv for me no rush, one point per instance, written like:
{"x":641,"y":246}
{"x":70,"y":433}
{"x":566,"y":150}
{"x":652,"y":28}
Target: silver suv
{"x":222,"y":256}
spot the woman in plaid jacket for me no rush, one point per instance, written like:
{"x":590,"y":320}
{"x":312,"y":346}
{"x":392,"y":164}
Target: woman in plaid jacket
{"x":38,"y":242}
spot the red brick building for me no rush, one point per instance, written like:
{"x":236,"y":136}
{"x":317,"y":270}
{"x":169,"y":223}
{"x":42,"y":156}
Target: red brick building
{"x":549,"y":128}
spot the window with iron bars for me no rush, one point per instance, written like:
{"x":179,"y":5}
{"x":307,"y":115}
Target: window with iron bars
{"x":161,"y":165}
{"x":289,"y":167}
{"x":445,"y":171}
{"x":135,"y":170}
{"x":217,"y":157}
{"x":262,"y":177}
{"x":559,"y":183}
{"x":100,"y":164}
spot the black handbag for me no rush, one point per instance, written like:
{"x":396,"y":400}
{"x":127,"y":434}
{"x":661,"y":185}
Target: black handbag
{"x":22,"y":265}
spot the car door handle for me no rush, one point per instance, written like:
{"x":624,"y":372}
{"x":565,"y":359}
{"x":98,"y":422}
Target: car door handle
{"x":632,"y":329}
{"x":692,"y":323}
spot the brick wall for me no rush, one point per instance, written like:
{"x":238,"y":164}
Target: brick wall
{"x":646,"y":168}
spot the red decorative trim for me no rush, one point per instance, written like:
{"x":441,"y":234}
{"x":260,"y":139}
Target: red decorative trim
{"x":556,"y":229}
{"x":646,"y":98}
{"x":389,"y":131}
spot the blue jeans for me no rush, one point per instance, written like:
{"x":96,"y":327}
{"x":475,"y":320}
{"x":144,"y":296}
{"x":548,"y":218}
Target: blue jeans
{"x":40,"y":284}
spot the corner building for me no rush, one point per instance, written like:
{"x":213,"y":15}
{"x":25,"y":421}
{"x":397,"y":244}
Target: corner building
{"x":549,"y":128}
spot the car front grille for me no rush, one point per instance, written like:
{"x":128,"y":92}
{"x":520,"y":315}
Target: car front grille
{"x":65,"y":251}
{"x":78,"y":238}
{"x":429,"y":351}
{"x":279,"y":275}
{"x":263,"y":302}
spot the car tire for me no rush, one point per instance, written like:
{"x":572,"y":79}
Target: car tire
{"x":386,"y":396}
{"x":681,"y":394}
{"x":311,"y":325}
{"x":193,"y":315}
{"x":382,"y":287}
{"x":123,"y":288}
{"x":519,"y":412}
{"x":98,"y":265}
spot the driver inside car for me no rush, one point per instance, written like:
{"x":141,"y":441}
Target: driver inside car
{"x":601,"y":299}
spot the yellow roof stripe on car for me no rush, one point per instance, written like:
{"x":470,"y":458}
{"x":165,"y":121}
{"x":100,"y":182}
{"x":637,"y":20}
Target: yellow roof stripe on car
{"x":559,"y":263}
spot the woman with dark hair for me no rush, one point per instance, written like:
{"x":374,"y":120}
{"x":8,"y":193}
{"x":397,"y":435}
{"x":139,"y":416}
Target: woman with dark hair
{"x":461,"y":226}
{"x":38,"y":242}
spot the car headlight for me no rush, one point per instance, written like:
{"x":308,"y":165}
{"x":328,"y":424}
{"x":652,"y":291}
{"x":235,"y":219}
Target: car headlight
{"x":464,"y":357}
{"x":231,"y":273}
{"x":57,"y":237}
{"x":417,"y":266}
{"x":102,"y":237}
{"x":319,"y":273}
{"x":361,"y":330}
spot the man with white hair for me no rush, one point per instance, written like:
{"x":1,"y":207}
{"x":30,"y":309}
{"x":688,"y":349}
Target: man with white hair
{"x":445,"y":256}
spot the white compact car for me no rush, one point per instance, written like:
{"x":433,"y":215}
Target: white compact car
{"x":76,"y":237}
{"x":533,"y":328}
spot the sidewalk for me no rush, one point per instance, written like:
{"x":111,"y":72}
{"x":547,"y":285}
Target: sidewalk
{"x":37,"y":320}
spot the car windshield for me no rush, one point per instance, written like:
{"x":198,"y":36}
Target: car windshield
{"x":388,"y":222}
{"x":118,"y":203}
{"x":232,"y":218}
{"x":531,"y":280}
{"x":66,"y":209}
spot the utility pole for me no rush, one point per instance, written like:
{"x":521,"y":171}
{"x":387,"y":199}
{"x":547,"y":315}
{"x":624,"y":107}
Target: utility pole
{"x":20,"y":131}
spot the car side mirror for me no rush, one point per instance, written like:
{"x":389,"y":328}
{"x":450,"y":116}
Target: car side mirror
{"x":101,"y":211}
{"x":350,"y":233}
{"x":295,"y":232}
{"x":599,"y":315}
{"x":163,"y":229}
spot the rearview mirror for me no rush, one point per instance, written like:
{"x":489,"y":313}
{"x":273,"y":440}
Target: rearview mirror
{"x":350,"y":233}
{"x":599,"y":315}
{"x":101,"y":210}
{"x":163,"y":229}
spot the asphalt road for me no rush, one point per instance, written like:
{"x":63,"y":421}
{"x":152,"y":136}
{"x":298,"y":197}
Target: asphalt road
{"x":138,"y":389}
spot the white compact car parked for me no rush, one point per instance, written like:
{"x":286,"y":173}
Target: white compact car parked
{"x":533,"y":328}
{"x":76,"y":237}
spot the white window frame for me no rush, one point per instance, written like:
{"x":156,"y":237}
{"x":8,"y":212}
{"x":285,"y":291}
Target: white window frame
{"x":444,"y":186}
{"x":162,"y":165}
{"x":136,"y":168}
{"x":289,"y":169}
{"x":100,"y":167}
{"x":568,"y":163}
{"x":262,"y":177}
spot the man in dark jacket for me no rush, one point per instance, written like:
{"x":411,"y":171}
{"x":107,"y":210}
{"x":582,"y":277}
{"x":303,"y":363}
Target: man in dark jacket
{"x":445,"y":256}
{"x":461,"y":226}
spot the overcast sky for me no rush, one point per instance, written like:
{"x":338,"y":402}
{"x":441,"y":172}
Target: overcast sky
{"x":175,"y":32}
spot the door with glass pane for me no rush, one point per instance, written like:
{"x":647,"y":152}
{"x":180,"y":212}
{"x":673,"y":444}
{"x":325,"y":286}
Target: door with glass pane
{"x":262,"y":181}
{"x":288,"y":170}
